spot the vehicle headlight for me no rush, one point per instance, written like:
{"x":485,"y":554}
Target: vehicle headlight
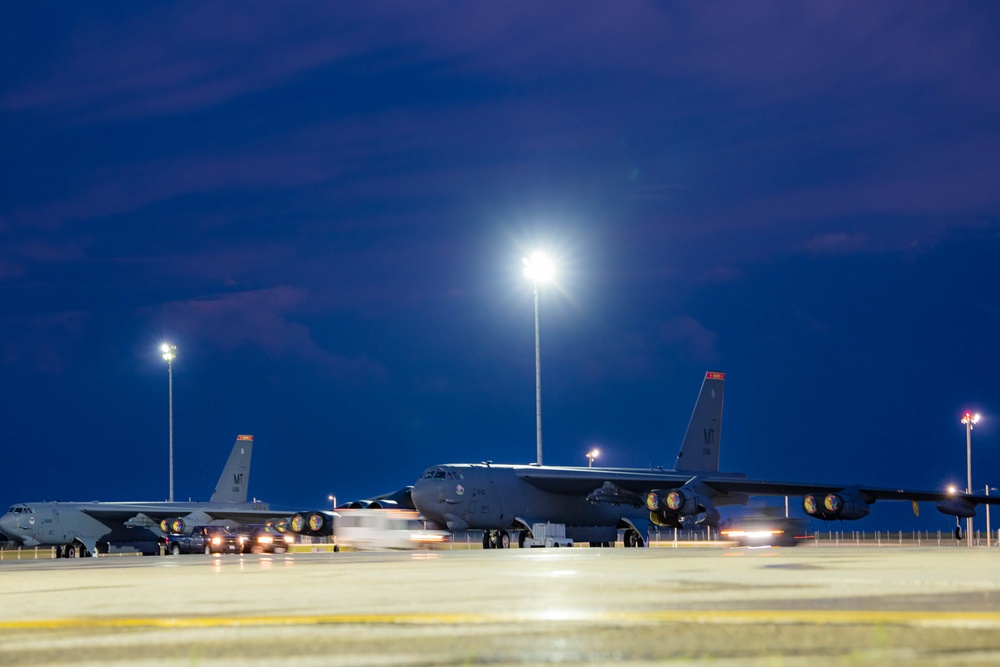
{"x":216,"y":540}
{"x":265,"y":539}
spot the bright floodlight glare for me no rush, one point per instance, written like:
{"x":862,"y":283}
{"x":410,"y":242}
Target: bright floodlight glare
{"x":539,"y":268}
{"x":969,"y":418}
{"x":169,"y":351}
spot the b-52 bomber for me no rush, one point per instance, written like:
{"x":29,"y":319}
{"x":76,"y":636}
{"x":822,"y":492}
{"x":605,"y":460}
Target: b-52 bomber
{"x":594,"y":503}
{"x":85,"y":529}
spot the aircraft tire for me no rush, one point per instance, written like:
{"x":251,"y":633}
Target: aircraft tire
{"x":504,"y":541}
{"x":70,"y":551}
{"x":633,"y":539}
{"x":521,"y":537}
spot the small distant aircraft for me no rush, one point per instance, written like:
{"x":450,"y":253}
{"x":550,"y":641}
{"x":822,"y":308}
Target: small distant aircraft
{"x":85,"y":529}
{"x":594,"y":503}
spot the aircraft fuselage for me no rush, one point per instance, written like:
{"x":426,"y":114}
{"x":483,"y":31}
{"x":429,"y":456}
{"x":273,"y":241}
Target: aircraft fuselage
{"x":484,"y":496}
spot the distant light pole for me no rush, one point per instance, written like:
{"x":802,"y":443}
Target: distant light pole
{"x":988,"y":536}
{"x":969,"y":420}
{"x":591,"y":455}
{"x":333,"y":499}
{"x":540,"y":270}
{"x":169,"y":354}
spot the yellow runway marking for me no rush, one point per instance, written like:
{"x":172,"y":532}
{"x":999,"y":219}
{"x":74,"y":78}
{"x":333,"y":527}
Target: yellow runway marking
{"x":751,"y":617}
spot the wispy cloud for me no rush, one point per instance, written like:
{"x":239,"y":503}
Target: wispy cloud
{"x":265,"y":319}
{"x":41,"y":342}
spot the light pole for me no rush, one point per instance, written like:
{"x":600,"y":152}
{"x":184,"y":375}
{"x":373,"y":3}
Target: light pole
{"x":169,"y":354}
{"x":591,"y":455}
{"x":988,"y":536}
{"x":539,"y":269}
{"x":969,"y":420}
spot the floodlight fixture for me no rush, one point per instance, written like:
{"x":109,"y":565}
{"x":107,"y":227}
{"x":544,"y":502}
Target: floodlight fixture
{"x":539,"y":268}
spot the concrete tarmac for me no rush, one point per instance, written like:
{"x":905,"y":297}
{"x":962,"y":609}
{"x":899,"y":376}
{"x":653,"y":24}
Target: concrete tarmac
{"x":812,"y":606}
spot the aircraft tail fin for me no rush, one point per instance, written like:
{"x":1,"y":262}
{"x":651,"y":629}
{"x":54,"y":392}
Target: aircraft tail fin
{"x":700,"y":448}
{"x":232,"y":486}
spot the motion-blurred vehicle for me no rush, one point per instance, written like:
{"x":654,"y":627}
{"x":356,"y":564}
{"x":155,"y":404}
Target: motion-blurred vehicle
{"x":766,"y":530}
{"x":383,"y":529}
{"x":203,"y":539}
{"x":261,"y":540}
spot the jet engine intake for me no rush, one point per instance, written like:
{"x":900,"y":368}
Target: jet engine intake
{"x":846,"y":505}
{"x":676,"y":507}
{"x":310,"y":523}
{"x":173,"y":526}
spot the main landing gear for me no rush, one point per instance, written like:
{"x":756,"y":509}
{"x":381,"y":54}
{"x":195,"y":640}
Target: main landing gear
{"x":74,"y":550}
{"x":496,"y":539}
{"x":632,"y":538}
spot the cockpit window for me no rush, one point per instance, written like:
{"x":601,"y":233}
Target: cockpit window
{"x":439,"y":474}
{"x":20,"y":509}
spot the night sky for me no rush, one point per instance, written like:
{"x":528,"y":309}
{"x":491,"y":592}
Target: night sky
{"x":325,"y":207}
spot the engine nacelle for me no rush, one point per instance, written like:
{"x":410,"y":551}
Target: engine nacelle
{"x":846,"y":505}
{"x":279,"y":525}
{"x":310,"y":523}
{"x":676,"y":507}
{"x":383,"y":504}
{"x":957,"y":506}
{"x":173,"y":526}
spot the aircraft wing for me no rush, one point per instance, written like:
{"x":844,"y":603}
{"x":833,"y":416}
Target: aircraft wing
{"x":771,"y":488}
{"x":111,"y":513}
{"x":584,"y":480}
{"x":639,"y":480}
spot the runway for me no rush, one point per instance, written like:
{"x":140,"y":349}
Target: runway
{"x":805,"y":606}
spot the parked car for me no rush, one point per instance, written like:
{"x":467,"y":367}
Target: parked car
{"x":203,"y":539}
{"x":261,"y":540}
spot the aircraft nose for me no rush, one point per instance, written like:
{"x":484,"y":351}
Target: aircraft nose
{"x":8,"y":525}
{"x":426,"y":495}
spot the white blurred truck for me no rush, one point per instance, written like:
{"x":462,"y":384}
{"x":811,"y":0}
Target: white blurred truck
{"x":547,"y":535}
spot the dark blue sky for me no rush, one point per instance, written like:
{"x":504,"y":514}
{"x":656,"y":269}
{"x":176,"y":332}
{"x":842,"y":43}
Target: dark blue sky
{"x":325,"y":206}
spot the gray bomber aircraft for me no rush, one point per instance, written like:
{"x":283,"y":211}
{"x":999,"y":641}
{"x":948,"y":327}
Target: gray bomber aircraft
{"x":594,"y":503}
{"x":82,"y":529}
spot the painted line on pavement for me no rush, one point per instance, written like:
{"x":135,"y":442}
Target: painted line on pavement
{"x":752,"y":617}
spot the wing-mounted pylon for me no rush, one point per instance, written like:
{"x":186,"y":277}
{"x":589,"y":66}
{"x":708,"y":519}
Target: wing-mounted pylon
{"x":611,"y":493}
